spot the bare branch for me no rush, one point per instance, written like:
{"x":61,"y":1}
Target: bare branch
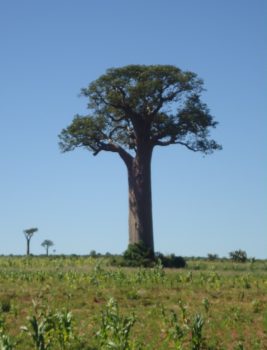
{"x":167,"y":98}
{"x":112,"y":147}
{"x":173,"y":142}
{"x":116,"y":120}
{"x":187,"y":146}
{"x":122,"y":127}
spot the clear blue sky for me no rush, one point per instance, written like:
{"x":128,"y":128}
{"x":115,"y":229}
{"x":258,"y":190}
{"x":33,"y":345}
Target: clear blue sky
{"x":51,"y":49}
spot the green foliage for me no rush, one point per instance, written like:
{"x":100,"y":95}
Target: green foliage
{"x":63,"y":328}
{"x":47,"y":243}
{"x":206,"y":304}
{"x":93,"y":254}
{"x":175,"y":330}
{"x":181,"y":330}
{"x":38,"y":330}
{"x":162,"y":99}
{"x":167,"y":304}
{"x":197,"y":338}
{"x":5,"y":341}
{"x":115,"y":329}
{"x":30,"y":232}
{"x":265,"y":321}
{"x":171,"y":260}
{"x":256,"y":306}
{"x":47,"y":329}
{"x":5,"y":304}
{"x":238,"y":256}
{"x":212,"y":257}
{"x":137,"y":254}
{"x":239,"y":345}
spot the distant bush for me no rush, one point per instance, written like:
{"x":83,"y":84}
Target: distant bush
{"x":238,"y":256}
{"x":212,"y":257}
{"x":137,"y":255}
{"x":93,"y":254}
{"x":171,"y":260}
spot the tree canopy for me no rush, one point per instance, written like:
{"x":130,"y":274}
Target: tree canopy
{"x":160,"y":104}
{"x":30,"y":232}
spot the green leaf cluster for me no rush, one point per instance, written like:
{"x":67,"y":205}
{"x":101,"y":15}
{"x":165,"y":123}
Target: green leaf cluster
{"x":138,"y":105}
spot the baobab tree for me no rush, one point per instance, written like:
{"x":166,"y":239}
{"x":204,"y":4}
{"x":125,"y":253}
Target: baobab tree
{"x":28,"y":235}
{"x":47,"y":244}
{"x":132,"y":110}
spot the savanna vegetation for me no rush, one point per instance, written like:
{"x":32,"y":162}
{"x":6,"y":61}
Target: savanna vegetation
{"x":59,"y":302}
{"x":142,"y":300}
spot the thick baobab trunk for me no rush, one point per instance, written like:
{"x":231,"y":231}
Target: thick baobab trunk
{"x":140,"y":200}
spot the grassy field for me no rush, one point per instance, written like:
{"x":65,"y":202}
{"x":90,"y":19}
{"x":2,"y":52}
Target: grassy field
{"x":83,"y":303}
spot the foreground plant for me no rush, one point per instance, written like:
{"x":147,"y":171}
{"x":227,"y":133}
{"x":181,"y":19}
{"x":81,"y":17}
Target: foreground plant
{"x":38,"y":331}
{"x":197,"y":337}
{"x":49,"y":329}
{"x":175,"y":329}
{"x":63,"y":328}
{"x":184,"y":330}
{"x":5,"y":341}
{"x":115,"y":329}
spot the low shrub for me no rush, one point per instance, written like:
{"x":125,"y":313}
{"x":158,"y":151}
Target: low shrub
{"x":137,"y":254}
{"x":238,"y":256}
{"x":212,"y":257}
{"x":171,"y":260}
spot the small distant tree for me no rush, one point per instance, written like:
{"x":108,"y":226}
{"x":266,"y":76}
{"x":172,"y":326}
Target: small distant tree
{"x":93,"y":253}
{"x":47,"y":244}
{"x":238,"y":255}
{"x":212,"y":257}
{"x":28,"y":235}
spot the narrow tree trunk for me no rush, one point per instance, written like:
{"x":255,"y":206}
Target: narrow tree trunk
{"x":140,"y":200}
{"x":28,"y":246}
{"x":47,"y":250}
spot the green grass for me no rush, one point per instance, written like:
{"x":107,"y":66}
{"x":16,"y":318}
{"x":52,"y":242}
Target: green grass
{"x":208,"y":305}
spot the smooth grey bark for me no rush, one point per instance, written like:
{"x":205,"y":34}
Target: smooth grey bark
{"x":140,"y":198}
